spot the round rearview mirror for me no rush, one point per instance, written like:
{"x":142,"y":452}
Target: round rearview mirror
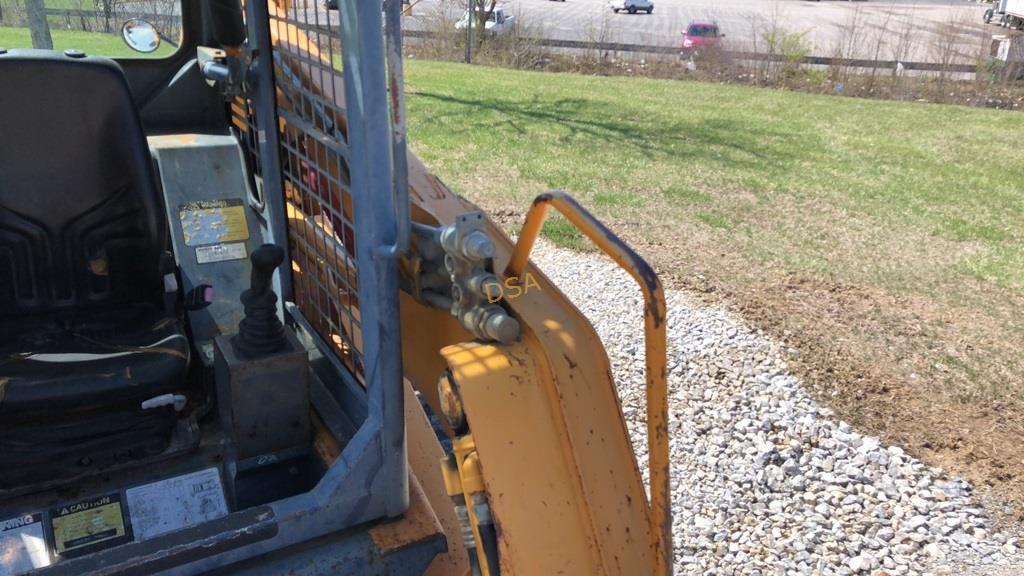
{"x":140,"y":35}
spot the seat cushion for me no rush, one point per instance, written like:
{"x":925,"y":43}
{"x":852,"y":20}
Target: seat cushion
{"x":72,"y":385}
{"x":31,"y":454}
{"x":71,"y":363}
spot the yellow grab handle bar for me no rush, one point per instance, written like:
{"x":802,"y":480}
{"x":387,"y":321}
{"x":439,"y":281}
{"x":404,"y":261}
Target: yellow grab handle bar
{"x":655,"y":345}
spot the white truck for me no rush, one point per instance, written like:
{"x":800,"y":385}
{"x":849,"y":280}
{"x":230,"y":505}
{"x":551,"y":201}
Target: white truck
{"x":498,"y":22}
{"x":1008,"y":13}
{"x":631,"y":6}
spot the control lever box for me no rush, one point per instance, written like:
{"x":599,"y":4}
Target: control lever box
{"x":264,"y":401}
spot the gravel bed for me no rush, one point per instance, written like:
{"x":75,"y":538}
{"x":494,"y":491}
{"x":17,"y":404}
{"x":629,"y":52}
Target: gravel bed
{"x":766,"y":481}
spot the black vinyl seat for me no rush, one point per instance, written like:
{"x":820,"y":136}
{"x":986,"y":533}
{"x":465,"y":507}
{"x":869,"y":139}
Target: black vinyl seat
{"x":84,"y":333}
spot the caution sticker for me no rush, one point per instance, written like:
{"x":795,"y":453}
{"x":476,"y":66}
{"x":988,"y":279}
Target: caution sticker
{"x":22,"y":544}
{"x":213,"y":222}
{"x":89,"y":525}
{"x":176,"y":503}
{"x":220,"y":253}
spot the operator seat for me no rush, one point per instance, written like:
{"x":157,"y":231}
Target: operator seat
{"x":86,"y":334}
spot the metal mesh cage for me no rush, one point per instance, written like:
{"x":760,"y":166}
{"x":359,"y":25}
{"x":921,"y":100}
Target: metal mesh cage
{"x":309,"y":153}
{"x":311,"y":116}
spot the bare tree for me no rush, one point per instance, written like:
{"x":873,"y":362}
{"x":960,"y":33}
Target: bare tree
{"x":850,"y":44}
{"x":480,"y":11}
{"x":37,"y":24}
{"x":483,"y":10}
{"x":108,"y":12}
{"x":601,"y":32}
{"x":901,"y":50}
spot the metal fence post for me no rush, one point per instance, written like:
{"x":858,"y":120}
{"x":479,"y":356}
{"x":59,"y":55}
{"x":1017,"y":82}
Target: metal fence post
{"x":469,"y":31}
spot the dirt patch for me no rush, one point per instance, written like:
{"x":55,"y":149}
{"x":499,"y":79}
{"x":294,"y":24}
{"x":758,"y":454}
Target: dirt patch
{"x":939,"y":380}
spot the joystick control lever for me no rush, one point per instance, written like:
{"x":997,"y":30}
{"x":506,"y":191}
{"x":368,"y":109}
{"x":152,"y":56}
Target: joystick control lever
{"x":261,"y":332}
{"x":262,"y":379}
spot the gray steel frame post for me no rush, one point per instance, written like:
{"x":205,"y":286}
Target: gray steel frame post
{"x":396,"y":87}
{"x":376,"y":229}
{"x":265,"y":99}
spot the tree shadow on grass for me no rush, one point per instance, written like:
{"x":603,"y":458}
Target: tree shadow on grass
{"x":719,"y":140}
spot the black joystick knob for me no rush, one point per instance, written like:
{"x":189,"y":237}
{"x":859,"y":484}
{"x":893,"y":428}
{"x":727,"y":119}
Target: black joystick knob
{"x":261,"y":332}
{"x":265,"y":260}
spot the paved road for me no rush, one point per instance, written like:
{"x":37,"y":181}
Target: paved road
{"x":883,"y":29}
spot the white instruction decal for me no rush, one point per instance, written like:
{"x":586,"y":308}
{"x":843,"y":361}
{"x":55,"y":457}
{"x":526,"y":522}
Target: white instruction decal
{"x":220,"y":252}
{"x":22,"y":544}
{"x":176,"y":503}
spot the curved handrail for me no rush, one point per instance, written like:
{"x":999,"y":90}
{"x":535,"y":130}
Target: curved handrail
{"x":655,"y":345}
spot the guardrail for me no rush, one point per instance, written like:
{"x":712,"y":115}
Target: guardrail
{"x":169,"y":23}
{"x":113,"y":15}
{"x":737,"y":54}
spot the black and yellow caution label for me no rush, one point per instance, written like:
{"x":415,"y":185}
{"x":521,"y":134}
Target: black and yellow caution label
{"x":89,"y":525}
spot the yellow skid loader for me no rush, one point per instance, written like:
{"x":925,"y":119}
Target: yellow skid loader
{"x":244,"y":331}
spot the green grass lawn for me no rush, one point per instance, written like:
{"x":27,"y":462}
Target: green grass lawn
{"x":817,"y":183}
{"x":882,"y":241}
{"x":93,"y":43}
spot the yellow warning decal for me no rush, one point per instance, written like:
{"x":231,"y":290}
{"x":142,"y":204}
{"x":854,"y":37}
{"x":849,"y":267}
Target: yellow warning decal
{"x":88,"y":524}
{"x":213,"y":222}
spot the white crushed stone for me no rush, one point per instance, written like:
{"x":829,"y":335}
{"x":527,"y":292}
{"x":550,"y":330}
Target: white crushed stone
{"x":764,"y":480}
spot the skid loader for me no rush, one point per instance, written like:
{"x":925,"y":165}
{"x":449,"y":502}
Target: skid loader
{"x":245,"y":331}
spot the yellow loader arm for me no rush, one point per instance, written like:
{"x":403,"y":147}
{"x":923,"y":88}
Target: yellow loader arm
{"x":546,"y":434}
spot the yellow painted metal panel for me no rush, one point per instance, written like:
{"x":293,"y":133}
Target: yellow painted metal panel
{"x":530,"y":482}
{"x":655,"y":346}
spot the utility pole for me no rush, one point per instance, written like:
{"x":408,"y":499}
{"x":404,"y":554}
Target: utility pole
{"x":39,"y":28}
{"x":470,"y":16}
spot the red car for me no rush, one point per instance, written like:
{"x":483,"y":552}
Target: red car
{"x":698,"y":35}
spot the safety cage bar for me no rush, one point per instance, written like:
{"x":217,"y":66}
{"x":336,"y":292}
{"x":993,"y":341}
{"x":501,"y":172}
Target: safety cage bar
{"x":333,"y":91}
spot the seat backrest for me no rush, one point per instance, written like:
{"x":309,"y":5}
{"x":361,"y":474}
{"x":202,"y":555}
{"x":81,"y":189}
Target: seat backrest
{"x":81,"y":216}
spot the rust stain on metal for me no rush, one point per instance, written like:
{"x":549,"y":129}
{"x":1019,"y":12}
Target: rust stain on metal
{"x":396,"y":113}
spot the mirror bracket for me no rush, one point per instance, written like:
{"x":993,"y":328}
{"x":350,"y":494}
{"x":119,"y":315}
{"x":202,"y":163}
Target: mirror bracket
{"x":223,"y":69}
